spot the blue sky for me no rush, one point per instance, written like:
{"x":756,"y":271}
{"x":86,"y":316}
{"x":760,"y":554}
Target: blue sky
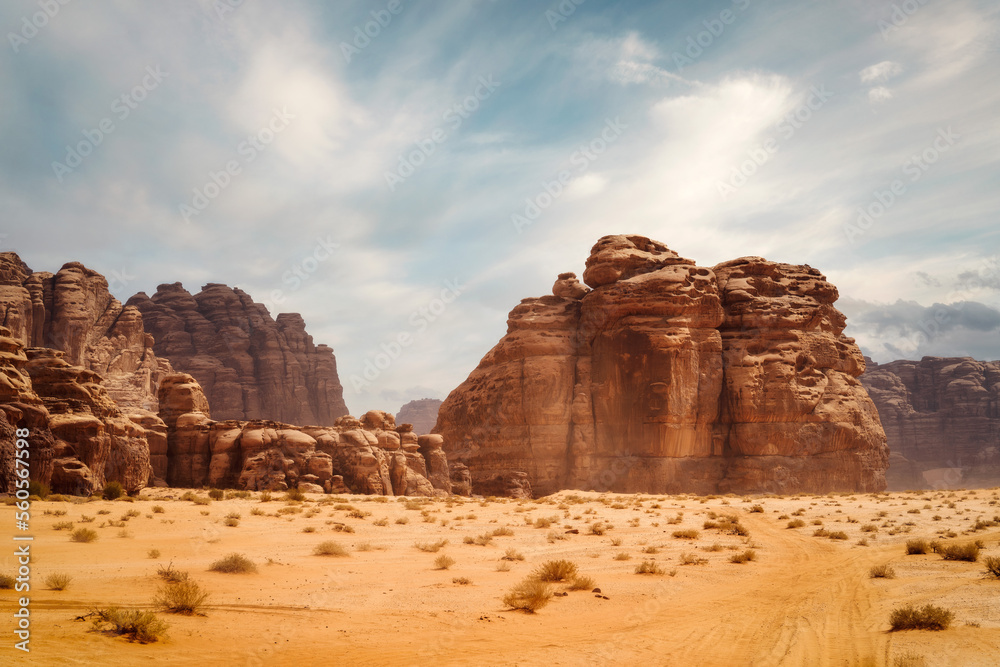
{"x":416,"y":182}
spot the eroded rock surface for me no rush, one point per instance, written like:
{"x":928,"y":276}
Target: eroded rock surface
{"x":665,"y":377}
{"x":370,"y":455}
{"x":250,"y":365}
{"x":942,"y":420}
{"x":422,"y":414}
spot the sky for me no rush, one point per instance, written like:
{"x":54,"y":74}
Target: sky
{"x":403,"y":173}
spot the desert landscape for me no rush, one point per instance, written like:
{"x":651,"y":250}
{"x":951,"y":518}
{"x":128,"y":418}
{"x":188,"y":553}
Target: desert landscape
{"x":805,"y":596}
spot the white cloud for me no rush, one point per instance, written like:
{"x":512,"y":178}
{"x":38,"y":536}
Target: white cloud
{"x":879,"y":94}
{"x":880,"y":72}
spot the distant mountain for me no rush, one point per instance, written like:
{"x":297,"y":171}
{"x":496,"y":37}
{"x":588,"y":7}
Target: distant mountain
{"x":422,"y":413}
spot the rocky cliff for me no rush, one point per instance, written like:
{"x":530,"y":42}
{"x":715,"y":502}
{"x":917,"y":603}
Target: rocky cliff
{"x":422,"y":414}
{"x":368,"y":455}
{"x":250,"y":365}
{"x":942,"y":420}
{"x":664,"y":376}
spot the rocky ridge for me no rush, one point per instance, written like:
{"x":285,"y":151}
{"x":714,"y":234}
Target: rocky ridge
{"x":422,"y":414}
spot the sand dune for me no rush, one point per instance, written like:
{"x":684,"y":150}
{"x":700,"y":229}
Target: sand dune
{"x":805,"y":600}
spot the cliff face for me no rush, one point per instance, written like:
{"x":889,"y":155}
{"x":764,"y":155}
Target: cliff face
{"x":942,"y":419}
{"x":670,"y":377}
{"x":368,"y":455}
{"x":250,"y":365}
{"x":422,"y":414}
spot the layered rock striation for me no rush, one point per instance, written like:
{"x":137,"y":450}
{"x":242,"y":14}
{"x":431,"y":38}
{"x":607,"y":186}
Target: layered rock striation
{"x":664,"y":376}
{"x":422,"y":414}
{"x":250,"y":365}
{"x":942,"y":420}
{"x":370,"y":455}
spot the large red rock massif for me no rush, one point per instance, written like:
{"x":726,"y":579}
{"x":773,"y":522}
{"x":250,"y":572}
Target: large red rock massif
{"x":368,"y":455}
{"x":250,"y":365}
{"x":942,"y":420}
{"x":664,"y":376}
{"x":422,"y":414}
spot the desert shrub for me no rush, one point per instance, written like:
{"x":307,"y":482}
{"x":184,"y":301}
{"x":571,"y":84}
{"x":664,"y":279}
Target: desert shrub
{"x":358,"y":514}
{"x":821,"y":532}
{"x":170,"y":573}
{"x":242,"y":494}
{"x":330,"y":548}
{"x":265,"y":496}
{"x":201,"y":500}
{"x":383,"y":522}
{"x":688,"y":558}
{"x":7,"y":582}
{"x":137,"y":625}
{"x":40,"y":489}
{"x":58,"y":581}
{"x":512,"y":554}
{"x":992,"y":564}
{"x":464,"y":581}
{"x":216,"y":494}
{"x":431,"y":547}
{"x":796,"y":523}
{"x":758,"y":509}
{"x":309,"y":529}
{"x":838,"y":535}
{"x":530,"y":595}
{"x":83,"y":535}
{"x":232,"y":522}
{"x":482,"y":540}
{"x":158,"y":509}
{"x":616,"y":541}
{"x":443,"y":562}
{"x":294,"y":494}
{"x":403,"y":520}
{"x":153,"y":553}
{"x":555,"y":570}
{"x":256,"y":511}
{"x":582,"y":582}
{"x":502,"y":531}
{"x":967,"y":552}
{"x":882,"y":572}
{"x":63,"y":525}
{"x":648,"y":567}
{"x":622,"y":555}
{"x":233,"y":564}
{"x":927,"y":617}
{"x":743,"y":557}
{"x":689,"y":534}
{"x":112,"y":491}
{"x":181,"y":597}
{"x":715,"y":547}
{"x":917,"y":547}
{"x":503,"y":566}
{"x":598,"y":528}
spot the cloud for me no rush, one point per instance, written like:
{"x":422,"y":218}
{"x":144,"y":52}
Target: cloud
{"x":880,"y":72}
{"x":879,"y":94}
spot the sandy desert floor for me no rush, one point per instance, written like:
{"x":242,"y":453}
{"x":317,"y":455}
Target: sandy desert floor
{"x":805,"y":600}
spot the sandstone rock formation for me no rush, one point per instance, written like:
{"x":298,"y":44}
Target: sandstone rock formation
{"x":368,"y":455}
{"x":250,"y":365}
{"x":670,"y":377}
{"x":942,"y":420}
{"x":73,"y":311}
{"x":422,"y":414}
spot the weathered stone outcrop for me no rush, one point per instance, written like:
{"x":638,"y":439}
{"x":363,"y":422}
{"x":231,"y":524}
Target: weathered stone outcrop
{"x":370,"y":455}
{"x":250,"y":365}
{"x":73,"y":311}
{"x":942,"y":420}
{"x":422,"y":414}
{"x":670,"y":377}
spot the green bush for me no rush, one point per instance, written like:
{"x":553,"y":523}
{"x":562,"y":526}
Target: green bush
{"x":112,"y":491}
{"x":137,"y":625}
{"x":40,"y":489}
{"x":234,"y":564}
{"x":927,"y":617}
{"x":216,"y":494}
